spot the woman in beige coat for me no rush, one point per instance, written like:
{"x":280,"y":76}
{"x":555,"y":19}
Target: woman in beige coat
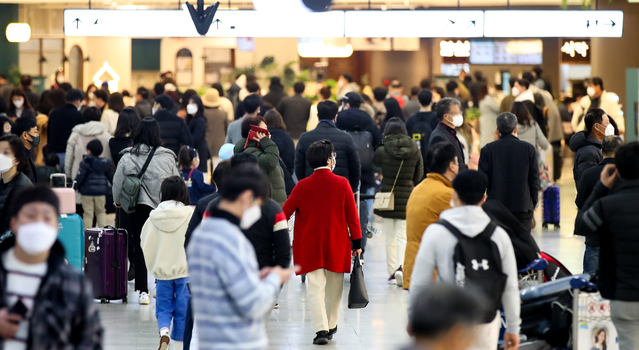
{"x":81,"y":135}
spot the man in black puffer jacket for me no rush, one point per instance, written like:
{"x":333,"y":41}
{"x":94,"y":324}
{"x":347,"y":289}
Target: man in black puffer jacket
{"x":173,"y":130}
{"x":612,"y":216}
{"x":348,"y":164}
{"x":587,"y":144}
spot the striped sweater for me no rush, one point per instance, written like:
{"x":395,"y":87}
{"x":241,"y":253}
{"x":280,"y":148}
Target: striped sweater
{"x":229,"y":298}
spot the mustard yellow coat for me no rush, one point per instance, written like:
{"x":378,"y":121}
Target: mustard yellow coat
{"x":431,"y":197}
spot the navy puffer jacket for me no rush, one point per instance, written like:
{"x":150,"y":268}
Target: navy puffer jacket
{"x":94,"y":176}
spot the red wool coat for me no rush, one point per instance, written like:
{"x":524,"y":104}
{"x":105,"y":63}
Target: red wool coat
{"x":325,"y":211}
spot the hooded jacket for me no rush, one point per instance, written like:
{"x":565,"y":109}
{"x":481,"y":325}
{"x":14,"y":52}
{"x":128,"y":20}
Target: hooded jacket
{"x":94,"y":176}
{"x":587,"y":153}
{"x":389,"y":156}
{"x":77,"y":146}
{"x":429,"y":199}
{"x":162,"y":240}
{"x":162,"y":165}
{"x":64,"y":315}
{"x":268,"y":158}
{"x":438,"y":247}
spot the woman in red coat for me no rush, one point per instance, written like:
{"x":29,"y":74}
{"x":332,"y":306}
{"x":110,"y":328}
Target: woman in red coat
{"x":325,"y":212}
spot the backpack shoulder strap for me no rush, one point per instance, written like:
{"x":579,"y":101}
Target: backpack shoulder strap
{"x":452,"y":229}
{"x":146,"y":164}
{"x":488,"y":231}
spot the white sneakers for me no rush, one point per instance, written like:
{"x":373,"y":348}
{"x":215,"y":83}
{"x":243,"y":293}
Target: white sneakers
{"x":165,"y":339}
{"x":399,"y":277}
{"x":144,"y":299}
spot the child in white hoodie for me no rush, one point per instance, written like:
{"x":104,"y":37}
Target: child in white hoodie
{"x":162,"y":242}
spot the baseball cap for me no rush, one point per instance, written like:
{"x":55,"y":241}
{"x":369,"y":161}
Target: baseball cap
{"x":351,"y":97}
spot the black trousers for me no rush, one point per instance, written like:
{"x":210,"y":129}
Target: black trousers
{"x":525,"y":218}
{"x":136,"y":222}
{"x":188,"y":324}
{"x":557,"y":160}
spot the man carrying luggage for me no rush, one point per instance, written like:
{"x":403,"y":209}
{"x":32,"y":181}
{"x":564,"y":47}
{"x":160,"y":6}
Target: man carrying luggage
{"x":466,"y":237}
{"x":44,"y":302}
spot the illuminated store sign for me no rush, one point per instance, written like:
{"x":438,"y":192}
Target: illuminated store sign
{"x":571,"y":48}
{"x":454,"y":49}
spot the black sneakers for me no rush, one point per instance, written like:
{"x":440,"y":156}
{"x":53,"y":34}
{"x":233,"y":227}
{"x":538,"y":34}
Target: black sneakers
{"x":331,"y":332}
{"x":321,"y":338}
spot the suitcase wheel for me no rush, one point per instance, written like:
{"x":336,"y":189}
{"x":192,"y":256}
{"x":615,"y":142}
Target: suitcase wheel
{"x":103,"y":301}
{"x":544,"y":226}
{"x":125,"y":300}
{"x":304,"y":278}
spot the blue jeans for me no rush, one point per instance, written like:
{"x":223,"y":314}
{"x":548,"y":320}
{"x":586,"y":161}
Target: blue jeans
{"x":62,"y":156}
{"x":591,"y":260}
{"x":172,"y":299}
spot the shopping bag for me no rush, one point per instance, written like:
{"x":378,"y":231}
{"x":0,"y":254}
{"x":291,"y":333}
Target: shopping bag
{"x":357,"y":295}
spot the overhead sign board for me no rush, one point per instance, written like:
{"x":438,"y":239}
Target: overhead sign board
{"x":573,"y":24}
{"x":411,"y":24}
{"x":178,"y":23}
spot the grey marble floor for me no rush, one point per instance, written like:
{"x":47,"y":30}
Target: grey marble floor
{"x":381,"y":325}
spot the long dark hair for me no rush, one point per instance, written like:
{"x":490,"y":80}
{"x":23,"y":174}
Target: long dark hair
{"x":19,"y":152}
{"x":522,"y":113}
{"x":603,"y":346}
{"x":128,"y":122}
{"x":200,"y":108}
{"x":45,"y":105}
{"x":392,"y":109}
{"x":186,"y":97}
{"x":147,"y":133}
{"x":395,"y":126}
{"x":19,"y":92}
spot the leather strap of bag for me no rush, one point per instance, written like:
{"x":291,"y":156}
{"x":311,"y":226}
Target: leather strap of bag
{"x":396,"y":177}
{"x":146,"y":164}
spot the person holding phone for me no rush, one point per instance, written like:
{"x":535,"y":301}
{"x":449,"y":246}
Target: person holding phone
{"x":256,"y":140}
{"x":44,"y":302}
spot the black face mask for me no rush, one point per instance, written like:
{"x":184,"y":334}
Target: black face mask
{"x":35,"y":141}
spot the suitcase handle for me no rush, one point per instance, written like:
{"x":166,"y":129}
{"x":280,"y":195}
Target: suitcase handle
{"x":58,"y":175}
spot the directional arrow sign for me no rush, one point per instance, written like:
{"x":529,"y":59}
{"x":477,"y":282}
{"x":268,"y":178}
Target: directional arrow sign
{"x":419,"y":23}
{"x":77,"y":23}
{"x":202,"y":18}
{"x":571,"y":24}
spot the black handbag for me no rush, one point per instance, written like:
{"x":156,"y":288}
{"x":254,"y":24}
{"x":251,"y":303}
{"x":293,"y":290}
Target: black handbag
{"x":357,"y":295}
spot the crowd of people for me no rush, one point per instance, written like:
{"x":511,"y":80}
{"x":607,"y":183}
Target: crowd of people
{"x":214,"y":232}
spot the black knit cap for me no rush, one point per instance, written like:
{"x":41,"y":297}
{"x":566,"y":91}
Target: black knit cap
{"x":31,"y":194}
{"x":470,"y":186}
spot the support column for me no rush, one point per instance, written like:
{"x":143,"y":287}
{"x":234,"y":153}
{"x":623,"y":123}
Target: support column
{"x":9,"y":56}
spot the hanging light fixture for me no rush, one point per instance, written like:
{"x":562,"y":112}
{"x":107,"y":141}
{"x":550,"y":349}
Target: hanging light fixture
{"x":18,"y":32}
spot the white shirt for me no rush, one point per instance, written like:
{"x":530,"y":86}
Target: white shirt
{"x":23,"y":282}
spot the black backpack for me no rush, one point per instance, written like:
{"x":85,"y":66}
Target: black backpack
{"x":364,"y":144}
{"x":477,"y":263}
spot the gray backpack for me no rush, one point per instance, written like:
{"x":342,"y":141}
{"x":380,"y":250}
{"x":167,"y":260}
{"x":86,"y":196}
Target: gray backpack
{"x":131,"y":187}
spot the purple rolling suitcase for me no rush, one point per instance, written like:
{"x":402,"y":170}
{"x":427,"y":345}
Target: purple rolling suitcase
{"x":106,"y":263}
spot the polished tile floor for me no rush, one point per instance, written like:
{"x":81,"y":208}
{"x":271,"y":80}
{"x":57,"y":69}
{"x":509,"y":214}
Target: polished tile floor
{"x":381,"y":325}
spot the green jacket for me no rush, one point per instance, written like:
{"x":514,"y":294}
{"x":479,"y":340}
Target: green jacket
{"x":268,"y":158}
{"x":389,"y":156}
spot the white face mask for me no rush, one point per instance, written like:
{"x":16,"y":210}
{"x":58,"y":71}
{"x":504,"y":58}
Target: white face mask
{"x":6,"y":163}
{"x":91,"y":95}
{"x":458,"y":120}
{"x":154,"y":109}
{"x":515,"y":92}
{"x":610,"y":130}
{"x":191,"y":109}
{"x":250,"y":217}
{"x":36,"y":238}
{"x":590,"y":91}
{"x":334,"y":163}
{"x":18,"y":103}
{"x":60,"y":80}
{"x":79,"y":107}
{"x":452,"y":203}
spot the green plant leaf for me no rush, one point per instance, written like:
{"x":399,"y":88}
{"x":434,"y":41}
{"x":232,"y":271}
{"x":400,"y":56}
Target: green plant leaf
{"x":267,"y":61}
